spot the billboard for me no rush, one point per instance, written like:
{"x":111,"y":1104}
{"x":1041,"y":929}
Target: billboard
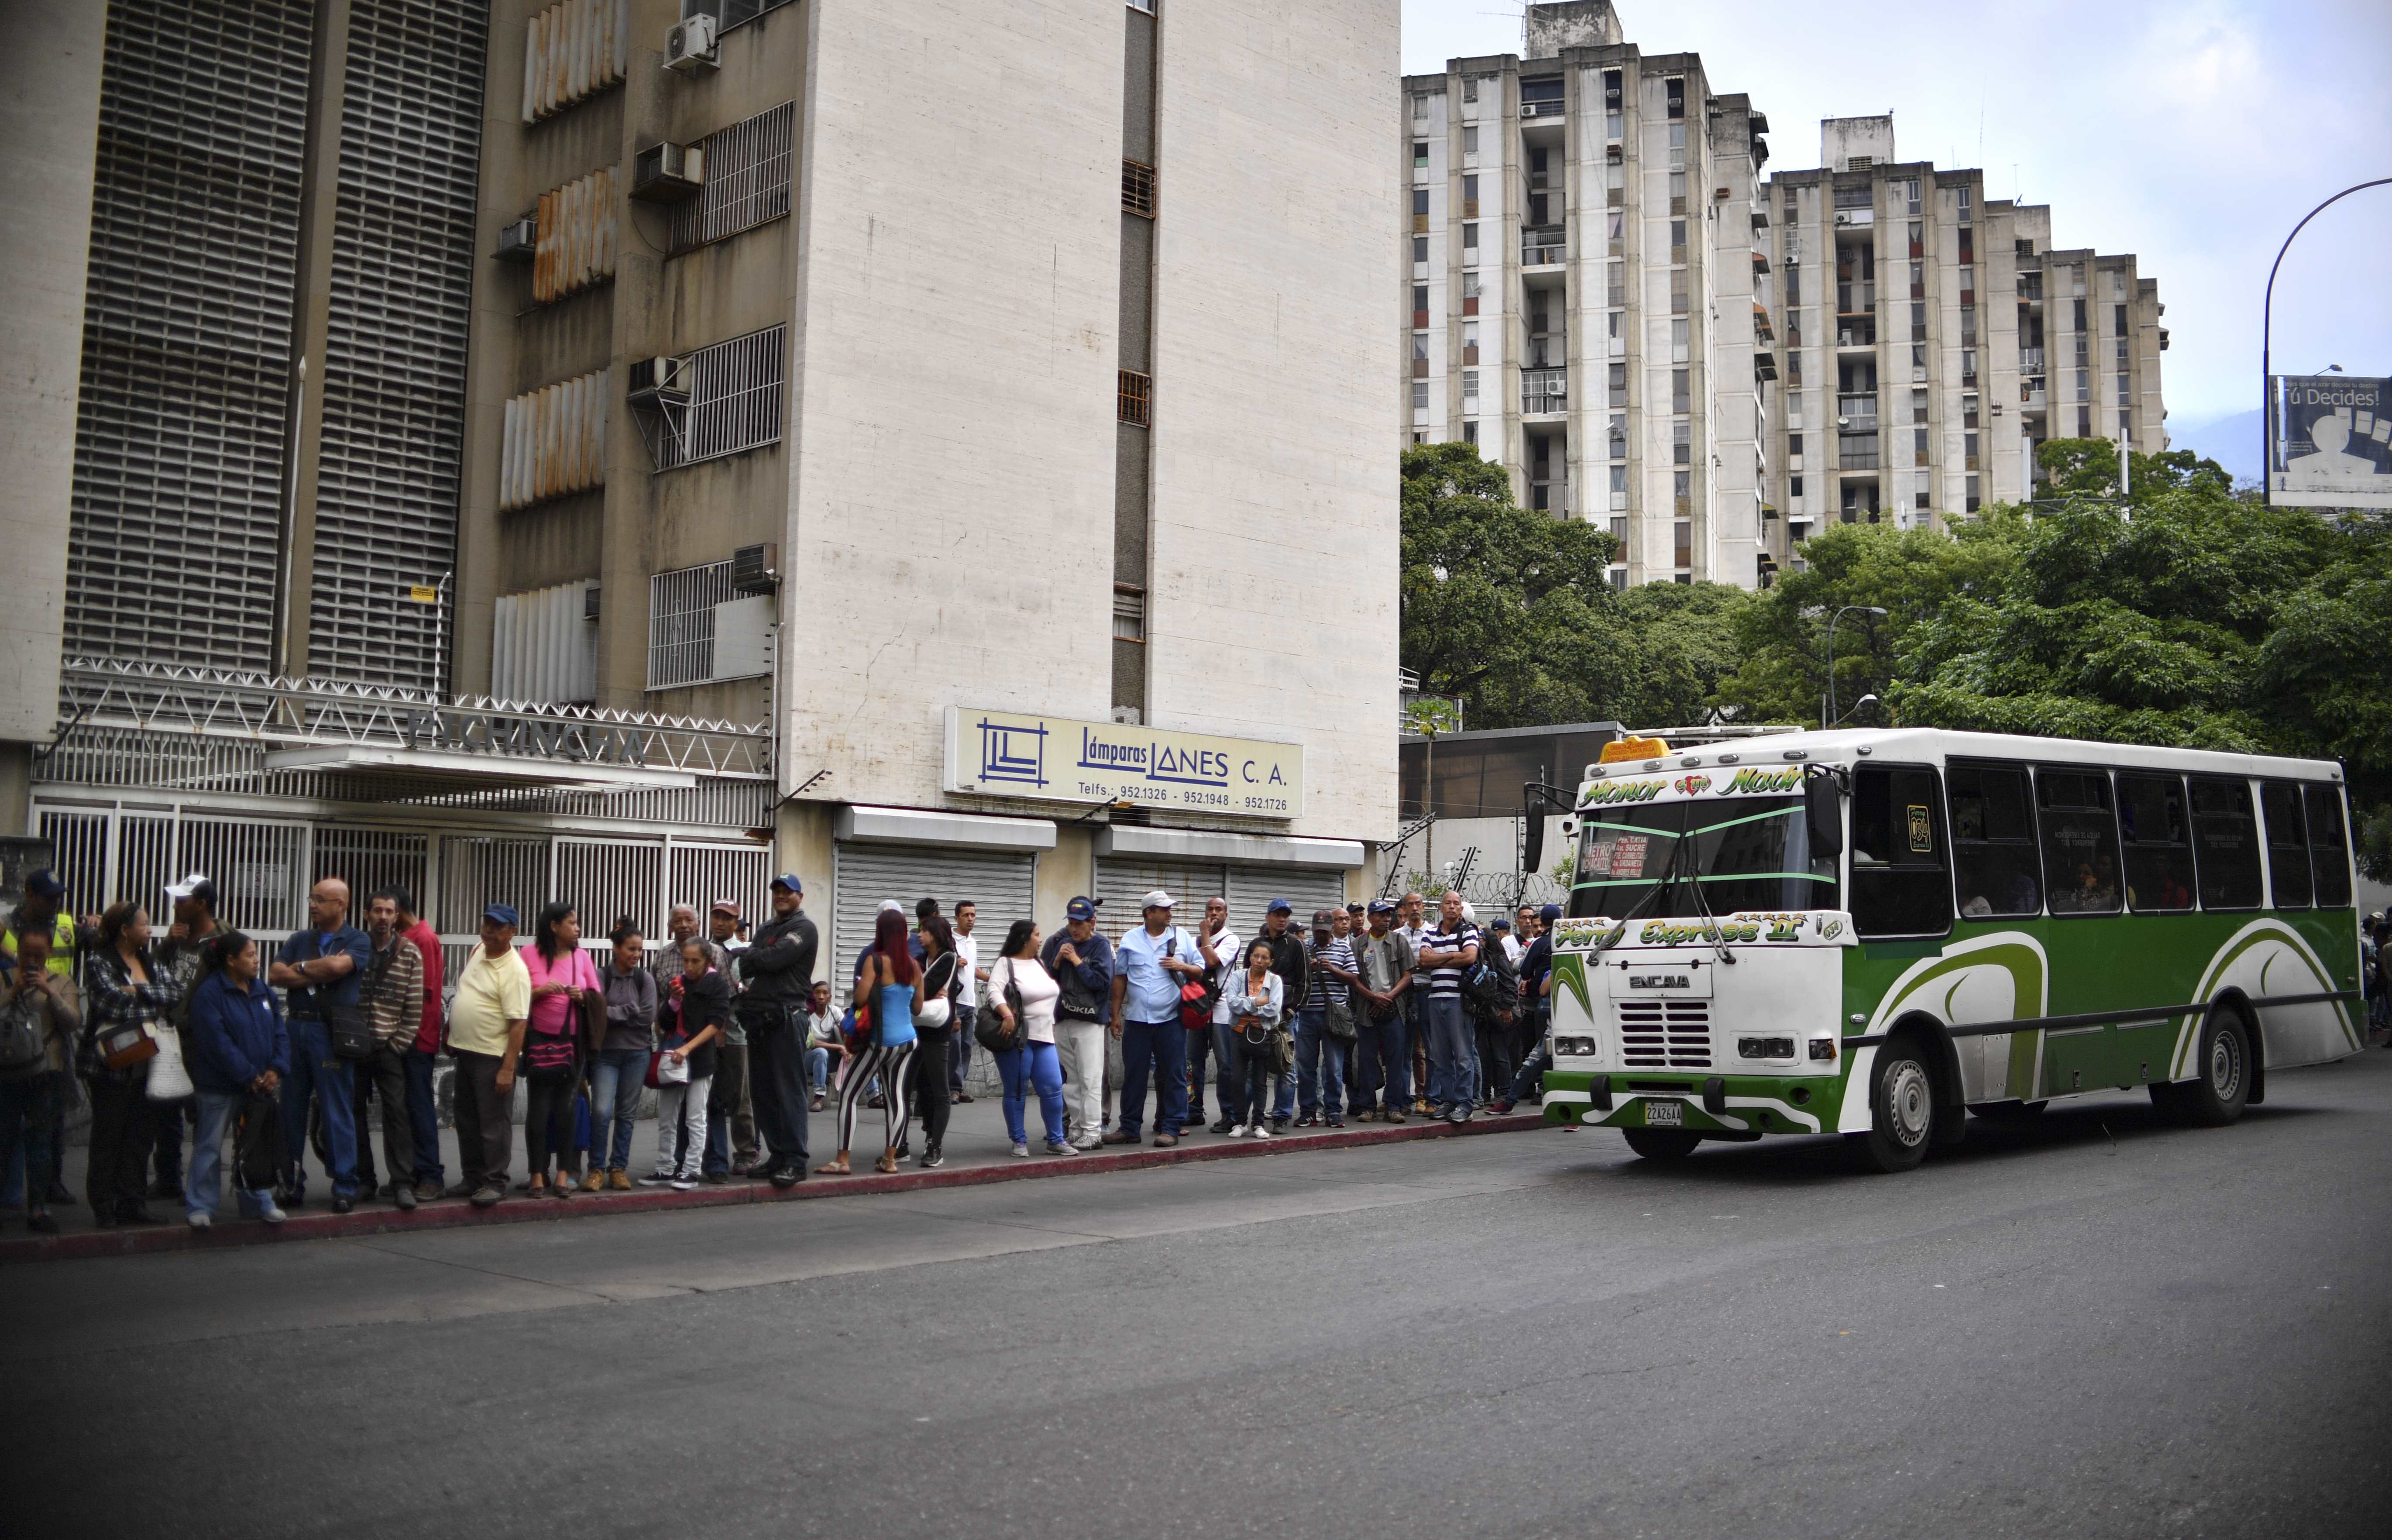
{"x":1063,"y":759}
{"x":2332,"y":445}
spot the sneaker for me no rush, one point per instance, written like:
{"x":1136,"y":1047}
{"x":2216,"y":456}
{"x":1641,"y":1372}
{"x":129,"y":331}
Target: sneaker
{"x":1023,"y":1150}
{"x":1308,"y":1121}
{"x":1086,"y":1141}
{"x":789,"y":1176}
{"x":1391,"y":1117}
{"x":1166,"y":1141}
{"x":485,"y":1197}
{"x":1258,"y":1130}
{"x":656,"y":1178}
{"x":428,"y":1192}
{"x":932,"y":1158}
{"x":1502,"y":1107}
{"x":1056,"y":1147}
{"x":1421,"y":1107}
{"x":1368,"y":1115}
{"x":345,"y":1206}
{"x":1278,"y":1125}
{"x":388,"y":1189}
{"x":684,"y":1184}
{"x":596,"y":1180}
{"x":406,"y":1199}
{"x":1458,"y":1116}
{"x":272,"y":1216}
{"x":818,"y":1102}
{"x":199,"y":1220}
{"x":1336,"y":1122}
{"x":1117,"y":1137}
{"x":1231,"y":1129}
{"x":962,"y":1096}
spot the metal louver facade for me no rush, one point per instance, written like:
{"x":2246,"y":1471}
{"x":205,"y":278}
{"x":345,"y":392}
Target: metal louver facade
{"x":182,"y":433}
{"x":402,"y":284}
{"x":553,"y":441}
{"x":576,"y":236}
{"x":571,"y":50}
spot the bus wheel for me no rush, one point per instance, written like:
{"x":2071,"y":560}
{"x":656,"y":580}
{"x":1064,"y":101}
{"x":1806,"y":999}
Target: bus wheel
{"x":1662,"y":1143}
{"x":2222,"y":1072}
{"x":1901,"y":1108}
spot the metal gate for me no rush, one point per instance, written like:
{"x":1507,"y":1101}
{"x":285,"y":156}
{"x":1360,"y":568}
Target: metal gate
{"x":1304,"y":888}
{"x":1123,"y":884}
{"x":1005,"y":889}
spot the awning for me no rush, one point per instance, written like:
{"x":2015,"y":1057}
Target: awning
{"x":1191,"y":845}
{"x":468,"y":772}
{"x":915,"y":826}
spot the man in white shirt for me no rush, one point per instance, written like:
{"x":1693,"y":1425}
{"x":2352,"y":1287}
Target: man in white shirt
{"x":1218,"y":949}
{"x":1412,"y":924}
{"x":968,"y":974}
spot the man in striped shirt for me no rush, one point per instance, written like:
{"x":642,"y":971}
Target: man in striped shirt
{"x":1321,"y":1059}
{"x":1446,"y":952}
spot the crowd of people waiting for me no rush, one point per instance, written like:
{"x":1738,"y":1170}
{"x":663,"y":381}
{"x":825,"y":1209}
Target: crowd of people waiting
{"x":259,"y":1053}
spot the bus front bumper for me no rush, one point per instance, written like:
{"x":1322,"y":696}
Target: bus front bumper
{"x":1726,"y":1106}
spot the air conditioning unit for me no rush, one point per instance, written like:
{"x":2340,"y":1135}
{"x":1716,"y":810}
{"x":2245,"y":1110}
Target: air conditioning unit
{"x":518,"y":240}
{"x":668,"y":173}
{"x":756,"y":570}
{"x":659,"y":379}
{"x":690,"y":46}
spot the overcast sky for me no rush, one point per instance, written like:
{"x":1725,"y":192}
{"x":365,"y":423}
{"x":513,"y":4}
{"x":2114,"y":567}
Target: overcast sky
{"x":2194,"y":134}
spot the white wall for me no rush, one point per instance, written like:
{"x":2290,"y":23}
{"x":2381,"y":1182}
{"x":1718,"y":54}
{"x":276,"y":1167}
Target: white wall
{"x":951,"y":509}
{"x":1273,"y":606}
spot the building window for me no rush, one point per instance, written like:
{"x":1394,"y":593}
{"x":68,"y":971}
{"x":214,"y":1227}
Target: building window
{"x":1918,"y":446}
{"x":747,"y":179}
{"x":1420,"y":210}
{"x":1682,"y":443}
{"x":1620,"y":489}
{"x":553,"y":441}
{"x":1134,"y":398}
{"x":1618,"y":434}
{"x":1470,"y":88}
{"x":1419,"y":395}
{"x":1129,"y":613}
{"x":1615,"y":283}
{"x":701,"y":628}
{"x":1469,"y":390}
{"x":1138,"y":188}
{"x":1679,"y":388}
{"x":1678,"y":291}
{"x":1794,"y":369}
{"x":1677,"y":192}
{"x":1469,"y":243}
{"x":1970,"y":490}
{"x":1679,"y":333}
{"x":1794,"y":444}
{"x":1470,"y":140}
{"x":1420,"y":305}
{"x":1470,"y":197}
{"x":2084,"y":422}
{"x":1469,"y":432}
{"x":1420,"y":250}
{"x":1675,"y":93}
{"x":1620,"y":530}
{"x":1420,"y":154}
{"x":732,"y":403}
{"x":1794,"y":486}
{"x":1685,"y":543}
{"x":1618,"y":384}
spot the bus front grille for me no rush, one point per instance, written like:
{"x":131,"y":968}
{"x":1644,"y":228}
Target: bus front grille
{"x":1666,"y":1034}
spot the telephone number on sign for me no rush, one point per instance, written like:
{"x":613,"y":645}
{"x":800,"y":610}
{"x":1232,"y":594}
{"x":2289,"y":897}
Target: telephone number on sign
{"x":1268,"y":805}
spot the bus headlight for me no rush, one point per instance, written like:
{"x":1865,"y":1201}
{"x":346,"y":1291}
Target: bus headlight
{"x":1574,"y":1047}
{"x":1824,"y":1049}
{"x":1764,"y":1048}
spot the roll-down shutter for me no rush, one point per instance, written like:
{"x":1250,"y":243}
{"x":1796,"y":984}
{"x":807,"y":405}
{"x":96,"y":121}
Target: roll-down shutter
{"x":1125,"y":884}
{"x":1003,"y":887}
{"x":1250,"y":889}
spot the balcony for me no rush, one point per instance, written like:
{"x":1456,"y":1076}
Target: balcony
{"x":1862,"y":335}
{"x":1543,"y":245}
{"x":2030,"y":360}
{"x":1856,"y":460}
{"x":1550,"y":108}
{"x":1858,"y":412}
{"x":1854,"y":219}
{"x":1543,"y":391}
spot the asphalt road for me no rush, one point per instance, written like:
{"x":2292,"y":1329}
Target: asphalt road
{"x":2100,"y":1326}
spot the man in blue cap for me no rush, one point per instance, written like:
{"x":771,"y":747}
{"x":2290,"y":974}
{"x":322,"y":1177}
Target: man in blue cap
{"x":779,"y":971}
{"x":1081,"y":960}
{"x":487,"y":1017}
{"x":1294,"y":970}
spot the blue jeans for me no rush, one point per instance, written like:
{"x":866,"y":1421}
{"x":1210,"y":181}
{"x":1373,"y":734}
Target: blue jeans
{"x":423,"y":1119}
{"x":1219,"y":1039}
{"x":315,"y":1072}
{"x":818,"y":1069}
{"x":216,"y":1112}
{"x":1319,"y":1064}
{"x":1156,"y":1052}
{"x":1386,"y":1048}
{"x":1033,"y":1066}
{"x":614,"y":1083}
{"x":1453,"y":1055}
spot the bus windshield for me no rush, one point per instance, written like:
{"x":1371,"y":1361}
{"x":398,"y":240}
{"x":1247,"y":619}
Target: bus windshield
{"x":1746,"y":854}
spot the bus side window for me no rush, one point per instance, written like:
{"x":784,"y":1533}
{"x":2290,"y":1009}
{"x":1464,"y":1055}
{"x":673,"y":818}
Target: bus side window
{"x":1994,"y":865}
{"x":2288,"y":840}
{"x":2328,"y":851}
{"x":1902,"y":884}
{"x":2159,"y":847}
{"x":2080,"y":840}
{"x":2226,"y":843}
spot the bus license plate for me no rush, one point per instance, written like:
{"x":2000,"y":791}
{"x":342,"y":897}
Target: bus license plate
{"x":1665,"y":1115}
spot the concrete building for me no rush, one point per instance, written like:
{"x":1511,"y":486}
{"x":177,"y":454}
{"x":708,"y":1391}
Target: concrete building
{"x":1588,"y":298}
{"x":662,"y":442}
{"x":1930,"y":338}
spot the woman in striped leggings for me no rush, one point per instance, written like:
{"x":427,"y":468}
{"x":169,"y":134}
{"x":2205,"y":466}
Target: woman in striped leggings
{"x":891,"y":982}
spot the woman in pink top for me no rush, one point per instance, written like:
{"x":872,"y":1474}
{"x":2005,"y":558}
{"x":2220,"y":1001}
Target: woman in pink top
{"x":552,"y":1056}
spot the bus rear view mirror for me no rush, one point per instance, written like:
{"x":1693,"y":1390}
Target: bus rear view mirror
{"x":1826,"y":810}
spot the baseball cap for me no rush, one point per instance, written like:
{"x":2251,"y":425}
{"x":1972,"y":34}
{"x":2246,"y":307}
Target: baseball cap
{"x":890,"y":906}
{"x":502,"y":914}
{"x":1081,"y":907}
{"x":787,"y":880}
{"x":44,"y":883}
{"x":726,"y":906}
{"x":1551,"y":911}
{"x":1382,"y":906}
{"x":190,"y":885}
{"x":1158,"y":899}
{"x":1324,"y":918}
{"x":1499,"y":923}
{"x":1279,"y":906}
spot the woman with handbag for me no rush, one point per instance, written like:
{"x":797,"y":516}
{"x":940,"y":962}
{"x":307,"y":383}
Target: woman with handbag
{"x":1022,"y":997}
{"x":562,"y":979}
{"x":887,"y":993}
{"x":1256,"y":997}
{"x":934,"y":1025}
{"x":682,"y":1071}
{"x":130,"y":1000}
{"x":238,"y":1047}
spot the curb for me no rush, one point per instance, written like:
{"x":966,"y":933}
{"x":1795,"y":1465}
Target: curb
{"x":520,"y":1210}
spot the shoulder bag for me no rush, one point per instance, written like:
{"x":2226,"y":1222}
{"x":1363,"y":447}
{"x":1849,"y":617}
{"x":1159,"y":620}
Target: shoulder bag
{"x":1197,"y":995}
{"x":989,"y":1026}
{"x":937,"y":1010}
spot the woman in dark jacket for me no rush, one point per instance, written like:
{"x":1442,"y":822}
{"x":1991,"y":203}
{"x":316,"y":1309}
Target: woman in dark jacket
{"x":681,"y":1102}
{"x":237,"y":1047}
{"x":123,"y":988}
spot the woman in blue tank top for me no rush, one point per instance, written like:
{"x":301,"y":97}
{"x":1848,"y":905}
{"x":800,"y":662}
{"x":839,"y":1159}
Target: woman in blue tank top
{"x":892,"y":981}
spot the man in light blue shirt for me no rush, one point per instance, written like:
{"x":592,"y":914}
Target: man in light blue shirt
{"x":1150,"y":965}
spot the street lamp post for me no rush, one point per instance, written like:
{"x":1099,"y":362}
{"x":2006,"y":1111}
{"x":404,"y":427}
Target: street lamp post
{"x":1828,"y":717}
{"x":2267,"y":339}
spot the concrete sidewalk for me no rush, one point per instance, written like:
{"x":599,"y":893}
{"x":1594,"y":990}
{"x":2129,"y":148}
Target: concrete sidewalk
{"x":977,"y":1150}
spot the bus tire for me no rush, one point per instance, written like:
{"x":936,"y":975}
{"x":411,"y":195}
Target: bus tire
{"x":2222,"y":1069}
{"x":1662,"y":1143}
{"x":1901,"y":1108}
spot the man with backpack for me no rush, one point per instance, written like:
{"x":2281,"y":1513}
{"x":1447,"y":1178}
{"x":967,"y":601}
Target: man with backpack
{"x":1319,"y":1045}
{"x":1492,"y":988}
{"x":1152,"y":964}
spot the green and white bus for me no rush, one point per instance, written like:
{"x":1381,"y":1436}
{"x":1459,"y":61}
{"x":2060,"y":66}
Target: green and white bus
{"x":1875,"y":933}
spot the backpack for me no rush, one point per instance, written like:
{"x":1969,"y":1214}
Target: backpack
{"x":1491,"y":985}
{"x":23,"y":1053}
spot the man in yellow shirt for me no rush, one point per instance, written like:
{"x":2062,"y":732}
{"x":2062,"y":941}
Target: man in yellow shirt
{"x":486,"y":1036}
